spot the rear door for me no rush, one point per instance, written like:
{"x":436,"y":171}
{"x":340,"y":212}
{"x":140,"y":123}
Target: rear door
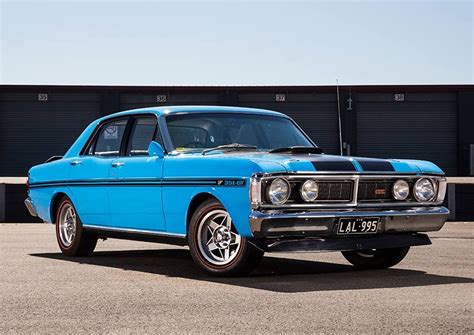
{"x":135,"y":180}
{"x":89,"y":173}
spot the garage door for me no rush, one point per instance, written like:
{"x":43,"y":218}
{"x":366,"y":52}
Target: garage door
{"x":421,"y":127}
{"x":140,"y":100}
{"x":315,"y":113}
{"x":34,"y":128}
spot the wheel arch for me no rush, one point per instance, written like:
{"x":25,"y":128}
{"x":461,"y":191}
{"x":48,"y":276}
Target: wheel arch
{"x":55,"y":200}
{"x":197,"y":200}
{"x":236,"y":211}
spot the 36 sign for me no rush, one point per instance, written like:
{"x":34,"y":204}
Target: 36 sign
{"x":161,"y":98}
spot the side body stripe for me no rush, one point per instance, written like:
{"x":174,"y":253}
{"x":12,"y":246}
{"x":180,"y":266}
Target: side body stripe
{"x":224,"y":182}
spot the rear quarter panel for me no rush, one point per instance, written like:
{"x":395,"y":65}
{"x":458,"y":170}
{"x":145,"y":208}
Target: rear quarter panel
{"x":43,"y":196}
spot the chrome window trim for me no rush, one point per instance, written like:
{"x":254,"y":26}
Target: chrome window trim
{"x":130,"y":119}
{"x":172,"y":149}
{"x":440,"y":184}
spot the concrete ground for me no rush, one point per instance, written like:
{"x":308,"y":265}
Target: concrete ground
{"x":147,"y":288}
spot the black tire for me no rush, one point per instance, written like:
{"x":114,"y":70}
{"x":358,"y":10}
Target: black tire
{"x":376,"y":259}
{"x":245,"y":259}
{"x":82,"y":243}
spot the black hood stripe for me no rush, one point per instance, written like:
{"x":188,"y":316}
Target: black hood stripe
{"x":336,"y":165}
{"x":375,"y":165}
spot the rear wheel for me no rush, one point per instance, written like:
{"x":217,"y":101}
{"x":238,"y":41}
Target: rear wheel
{"x":376,"y":258}
{"x":216,"y":246}
{"x":72,"y":239}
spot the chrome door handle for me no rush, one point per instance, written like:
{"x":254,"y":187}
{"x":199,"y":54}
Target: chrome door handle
{"x":74,"y":163}
{"x":117,"y":164}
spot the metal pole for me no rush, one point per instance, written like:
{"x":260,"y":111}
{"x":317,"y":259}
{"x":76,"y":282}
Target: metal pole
{"x":2,"y":203}
{"x":339,"y":117}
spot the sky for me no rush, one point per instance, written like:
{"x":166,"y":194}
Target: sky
{"x":236,"y":42}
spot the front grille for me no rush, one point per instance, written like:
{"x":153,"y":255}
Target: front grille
{"x":335,"y":191}
{"x":378,"y":190}
{"x":339,"y":191}
{"x":375,"y":190}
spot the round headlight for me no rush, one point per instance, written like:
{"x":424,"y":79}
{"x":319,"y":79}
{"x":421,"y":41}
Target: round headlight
{"x":279,"y":191}
{"x":309,"y":190}
{"x":424,"y":190}
{"x":400,"y":190}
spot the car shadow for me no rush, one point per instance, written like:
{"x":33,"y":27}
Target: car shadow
{"x":273,"y":274}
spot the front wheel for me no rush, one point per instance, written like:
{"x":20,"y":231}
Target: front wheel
{"x":72,"y":239}
{"x":216,"y":246}
{"x":376,"y":258}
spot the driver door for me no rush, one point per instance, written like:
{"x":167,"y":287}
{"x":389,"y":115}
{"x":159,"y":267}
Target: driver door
{"x":135,"y":180}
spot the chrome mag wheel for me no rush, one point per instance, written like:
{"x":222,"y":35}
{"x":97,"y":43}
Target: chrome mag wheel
{"x":67,"y":224}
{"x":217,"y":238}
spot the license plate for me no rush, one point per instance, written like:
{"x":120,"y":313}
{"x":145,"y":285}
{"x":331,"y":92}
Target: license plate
{"x":357,"y":226}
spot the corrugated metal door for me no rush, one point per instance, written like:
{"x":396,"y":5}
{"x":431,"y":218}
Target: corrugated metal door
{"x":315,"y":113}
{"x":140,"y":100}
{"x":31,"y":130}
{"x":423,"y":126}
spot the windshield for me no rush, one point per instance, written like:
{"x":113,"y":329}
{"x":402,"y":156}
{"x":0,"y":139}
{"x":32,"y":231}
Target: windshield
{"x":209,"y":130}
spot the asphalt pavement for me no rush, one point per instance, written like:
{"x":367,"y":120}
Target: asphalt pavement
{"x":137,"y":287}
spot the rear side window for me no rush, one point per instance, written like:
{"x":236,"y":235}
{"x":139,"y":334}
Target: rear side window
{"x":109,"y":139}
{"x":142,"y":133}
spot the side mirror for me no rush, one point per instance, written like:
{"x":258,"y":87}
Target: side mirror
{"x":155,"y":150}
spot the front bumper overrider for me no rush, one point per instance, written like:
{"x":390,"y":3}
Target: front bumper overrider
{"x":316,"y":230}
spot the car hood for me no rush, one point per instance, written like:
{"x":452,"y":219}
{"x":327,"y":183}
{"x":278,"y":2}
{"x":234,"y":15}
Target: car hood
{"x":292,"y":163}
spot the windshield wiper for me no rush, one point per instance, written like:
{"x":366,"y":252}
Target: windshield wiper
{"x":230,"y":147}
{"x":298,"y":150}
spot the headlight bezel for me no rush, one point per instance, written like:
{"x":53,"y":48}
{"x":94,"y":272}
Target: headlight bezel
{"x":434,"y":187}
{"x":396,"y":194}
{"x":304,"y":195}
{"x":269,"y":189}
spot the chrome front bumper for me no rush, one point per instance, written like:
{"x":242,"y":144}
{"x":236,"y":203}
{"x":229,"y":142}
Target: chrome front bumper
{"x":275,"y":224}
{"x":31,"y":208}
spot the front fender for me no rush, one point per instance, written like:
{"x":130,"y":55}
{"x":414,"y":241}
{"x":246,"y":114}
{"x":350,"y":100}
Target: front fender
{"x":417,"y":166}
{"x":234,"y":199}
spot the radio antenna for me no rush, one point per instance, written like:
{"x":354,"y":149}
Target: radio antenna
{"x":339,"y":117}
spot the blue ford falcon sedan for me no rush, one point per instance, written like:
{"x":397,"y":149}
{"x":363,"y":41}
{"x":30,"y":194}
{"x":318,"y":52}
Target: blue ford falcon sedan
{"x":232,"y":183}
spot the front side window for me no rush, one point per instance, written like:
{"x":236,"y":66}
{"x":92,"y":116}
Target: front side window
{"x":142,"y":133}
{"x":109,"y":139}
{"x":209,"y":130}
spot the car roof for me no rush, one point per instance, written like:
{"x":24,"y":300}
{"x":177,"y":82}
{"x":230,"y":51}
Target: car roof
{"x":169,"y":110}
